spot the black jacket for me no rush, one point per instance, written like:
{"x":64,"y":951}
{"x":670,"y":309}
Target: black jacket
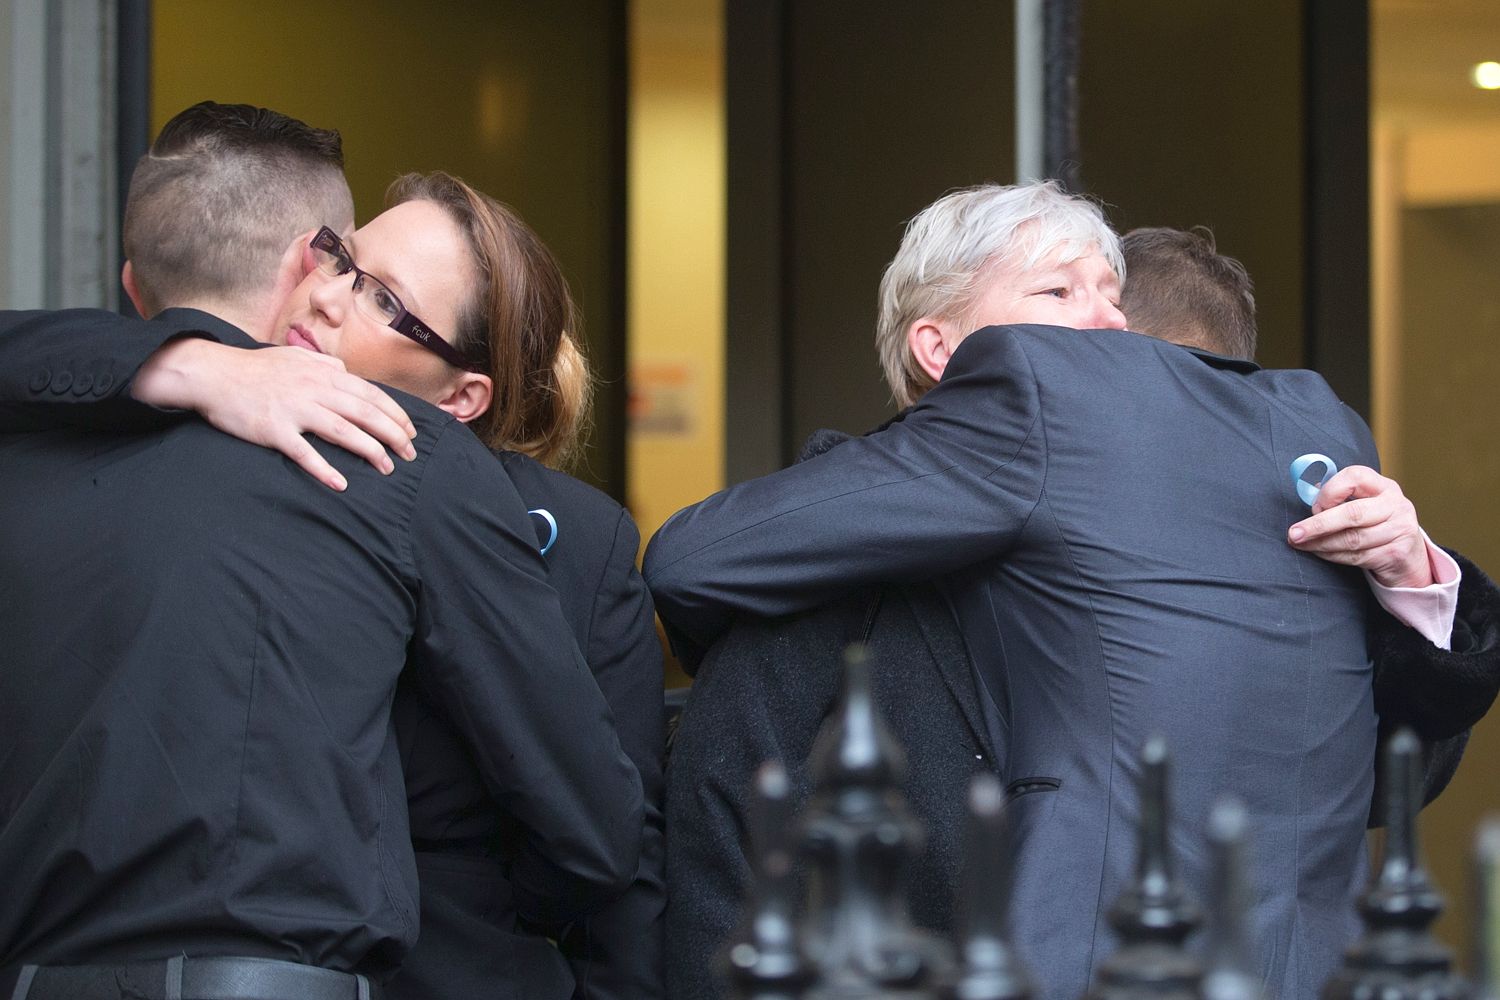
{"x":476,"y":942}
{"x":202,"y":644}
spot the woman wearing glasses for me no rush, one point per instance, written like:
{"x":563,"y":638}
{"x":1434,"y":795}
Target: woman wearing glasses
{"x":495,"y":346}
{"x":449,"y":296}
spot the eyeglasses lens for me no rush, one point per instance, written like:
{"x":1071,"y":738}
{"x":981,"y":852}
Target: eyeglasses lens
{"x":377,"y":300}
{"x":331,"y":257}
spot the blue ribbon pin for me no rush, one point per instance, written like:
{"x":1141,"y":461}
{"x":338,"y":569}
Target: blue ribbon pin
{"x":1306,"y":490}
{"x":546,"y":515}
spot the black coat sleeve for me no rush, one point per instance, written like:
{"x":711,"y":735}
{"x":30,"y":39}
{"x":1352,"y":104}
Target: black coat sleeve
{"x":73,"y":367}
{"x":1439,"y":693}
{"x":616,"y":954}
{"x":494,"y":650}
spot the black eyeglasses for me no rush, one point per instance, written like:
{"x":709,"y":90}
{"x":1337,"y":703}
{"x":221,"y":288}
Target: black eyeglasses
{"x":377,"y":301}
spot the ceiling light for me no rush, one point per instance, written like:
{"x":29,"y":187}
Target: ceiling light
{"x":1486,"y":75}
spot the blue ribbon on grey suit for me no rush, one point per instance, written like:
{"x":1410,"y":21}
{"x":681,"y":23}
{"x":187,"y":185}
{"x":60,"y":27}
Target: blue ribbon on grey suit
{"x":1306,"y":490}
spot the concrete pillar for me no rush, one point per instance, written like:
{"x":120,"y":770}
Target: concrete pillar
{"x":58,"y":232}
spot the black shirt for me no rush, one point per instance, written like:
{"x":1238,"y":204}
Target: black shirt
{"x":201,"y":645}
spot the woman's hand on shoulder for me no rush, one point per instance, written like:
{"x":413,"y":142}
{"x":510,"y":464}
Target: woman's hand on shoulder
{"x":272,"y":396}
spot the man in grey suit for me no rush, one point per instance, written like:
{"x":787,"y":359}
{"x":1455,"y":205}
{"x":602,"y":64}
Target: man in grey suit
{"x":1121,"y":505}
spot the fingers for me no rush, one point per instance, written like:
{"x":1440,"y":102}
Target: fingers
{"x":337,"y":430}
{"x":272,"y":397}
{"x":1350,"y":527}
{"x":357,"y":417}
{"x":283,"y":430}
{"x":361,"y":403}
{"x":1362,"y":518}
{"x":298,"y":356}
{"x":1354,"y":501}
{"x":321,"y":398}
{"x":381,"y":415}
{"x":1348,"y":484}
{"x":296,"y":448}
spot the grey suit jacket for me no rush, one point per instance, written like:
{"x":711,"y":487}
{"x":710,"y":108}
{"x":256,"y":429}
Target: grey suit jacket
{"x":1120,"y":504}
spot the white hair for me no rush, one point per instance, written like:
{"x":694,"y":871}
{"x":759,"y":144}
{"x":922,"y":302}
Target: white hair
{"x":956,"y":240}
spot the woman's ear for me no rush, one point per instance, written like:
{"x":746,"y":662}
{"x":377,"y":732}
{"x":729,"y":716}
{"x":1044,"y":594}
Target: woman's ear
{"x":931,"y":342}
{"x":469,"y":396}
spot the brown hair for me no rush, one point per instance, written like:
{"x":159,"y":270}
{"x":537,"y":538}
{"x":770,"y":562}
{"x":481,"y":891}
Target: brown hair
{"x":1181,"y":289}
{"x":221,"y":193}
{"x":521,"y":326}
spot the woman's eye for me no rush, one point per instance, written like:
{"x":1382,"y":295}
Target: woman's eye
{"x":1057,"y":293}
{"x":385,"y":302}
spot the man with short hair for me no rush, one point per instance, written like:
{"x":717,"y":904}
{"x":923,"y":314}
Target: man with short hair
{"x":1066,"y":486}
{"x":1183,"y":290}
{"x":252,"y":174}
{"x":202,"y":794}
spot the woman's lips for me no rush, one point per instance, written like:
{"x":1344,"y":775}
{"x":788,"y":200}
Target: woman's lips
{"x":296,"y":336}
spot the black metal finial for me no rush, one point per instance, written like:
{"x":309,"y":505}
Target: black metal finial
{"x":854,"y":748}
{"x":1229,"y":972}
{"x":1487,"y":924}
{"x":1155,"y":914}
{"x":990,"y":968}
{"x":860,"y":838}
{"x":1156,"y":907}
{"x":1402,"y":894}
{"x":764,"y":957}
{"x":1397,"y":958}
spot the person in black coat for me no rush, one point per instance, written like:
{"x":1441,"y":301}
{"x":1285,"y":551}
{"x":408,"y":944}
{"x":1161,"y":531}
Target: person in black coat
{"x":202,"y":646}
{"x":470,"y":945}
{"x":513,"y":346}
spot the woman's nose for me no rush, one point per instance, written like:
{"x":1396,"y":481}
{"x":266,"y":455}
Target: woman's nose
{"x":333,"y":297}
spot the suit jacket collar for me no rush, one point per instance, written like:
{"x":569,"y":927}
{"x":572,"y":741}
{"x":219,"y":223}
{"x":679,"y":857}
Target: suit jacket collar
{"x":1226,"y":363}
{"x":197,"y":320}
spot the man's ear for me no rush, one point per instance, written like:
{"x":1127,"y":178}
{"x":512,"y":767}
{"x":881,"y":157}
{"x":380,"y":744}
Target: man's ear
{"x":132,"y":290}
{"x":932,"y":343}
{"x":296,"y":260}
{"x":469,"y":397}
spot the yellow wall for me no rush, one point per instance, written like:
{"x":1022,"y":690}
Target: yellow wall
{"x":1447,"y":364}
{"x":676,"y":257}
{"x":1435,"y":216}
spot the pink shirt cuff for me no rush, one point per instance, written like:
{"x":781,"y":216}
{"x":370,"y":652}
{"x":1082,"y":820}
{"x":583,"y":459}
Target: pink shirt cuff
{"x":1429,"y":610}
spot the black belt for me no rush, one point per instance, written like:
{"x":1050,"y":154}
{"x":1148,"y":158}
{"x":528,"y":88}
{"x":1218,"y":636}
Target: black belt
{"x":185,"y":979}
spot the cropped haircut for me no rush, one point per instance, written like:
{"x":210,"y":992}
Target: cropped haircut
{"x":520,"y":327}
{"x":221,"y":194}
{"x":951,"y":247}
{"x":1183,"y":290}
